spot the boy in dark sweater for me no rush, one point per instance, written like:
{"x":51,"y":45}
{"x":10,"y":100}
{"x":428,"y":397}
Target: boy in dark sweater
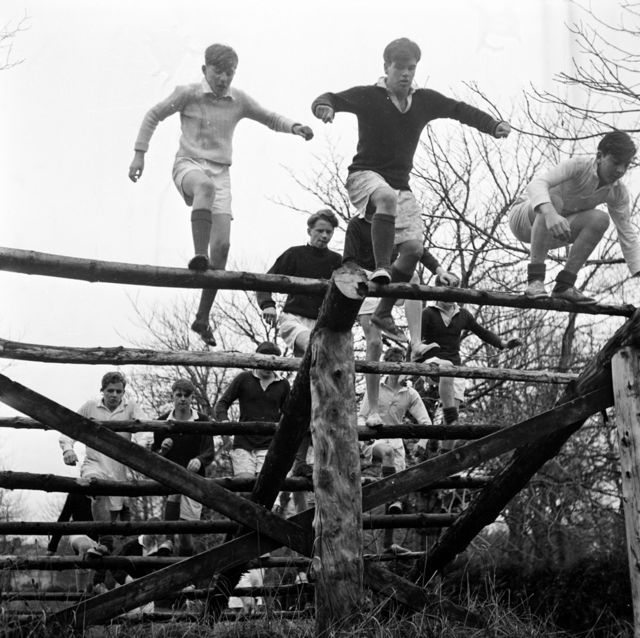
{"x":391,"y":116}
{"x":192,"y":451}
{"x":261,"y":395}
{"x":442,"y":327}
{"x":313,"y":260}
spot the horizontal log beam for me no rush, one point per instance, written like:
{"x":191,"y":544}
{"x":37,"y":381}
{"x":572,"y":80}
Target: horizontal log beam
{"x":143,"y":487}
{"x":120,"y":355}
{"x":30,"y":262}
{"x":64,"y":563}
{"x":133,"y":528}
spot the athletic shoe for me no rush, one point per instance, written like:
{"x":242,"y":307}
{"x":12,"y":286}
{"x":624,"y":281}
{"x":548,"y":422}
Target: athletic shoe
{"x":203,"y":329}
{"x":381,"y":276}
{"x":374,"y":420}
{"x":536,"y":290}
{"x":389,"y":329}
{"x":200,"y":263}
{"x":398,"y":549}
{"x":574,"y":296}
{"x":395,"y":508}
{"x":420,"y":352}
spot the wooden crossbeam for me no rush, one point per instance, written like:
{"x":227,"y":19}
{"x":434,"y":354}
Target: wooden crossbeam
{"x":143,"y":487}
{"x":529,"y":458}
{"x":170,"y":474}
{"x":36,"y":263}
{"x":405,"y":431}
{"x":133,"y":528}
{"x":130,"y":356}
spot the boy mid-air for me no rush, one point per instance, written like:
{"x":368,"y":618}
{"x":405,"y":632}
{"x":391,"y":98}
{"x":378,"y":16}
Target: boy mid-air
{"x":209,"y":112}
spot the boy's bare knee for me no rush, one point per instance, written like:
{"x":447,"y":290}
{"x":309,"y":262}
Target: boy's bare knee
{"x":384,"y":199}
{"x":599,"y":220}
{"x":204,"y":189}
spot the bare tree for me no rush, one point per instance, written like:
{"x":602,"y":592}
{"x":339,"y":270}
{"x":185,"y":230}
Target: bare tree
{"x":8,"y":34}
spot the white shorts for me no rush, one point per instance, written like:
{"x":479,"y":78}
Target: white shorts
{"x":360,"y":186}
{"x":247,"y":462}
{"x":521,"y":225}
{"x":399,"y":456}
{"x":217,"y":173}
{"x":292,"y":326}
{"x":190,"y":510}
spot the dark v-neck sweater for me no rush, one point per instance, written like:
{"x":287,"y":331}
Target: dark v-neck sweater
{"x":387,"y":138}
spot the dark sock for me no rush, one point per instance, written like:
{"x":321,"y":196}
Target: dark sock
{"x":201,"y":230}
{"x":388,"y":470}
{"x":388,"y":533}
{"x":171,"y":511}
{"x":385,"y":306}
{"x":450,"y":415}
{"x":564,"y":281}
{"x":383,"y":237}
{"x":536,"y":272}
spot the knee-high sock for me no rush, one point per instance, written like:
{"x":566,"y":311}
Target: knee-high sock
{"x":386,"y":303}
{"x":201,"y":230}
{"x":383,"y":237}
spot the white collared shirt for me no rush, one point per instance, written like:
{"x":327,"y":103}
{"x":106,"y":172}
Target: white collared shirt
{"x":382,"y":82}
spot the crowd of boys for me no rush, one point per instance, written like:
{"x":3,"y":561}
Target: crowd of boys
{"x":559,"y":207}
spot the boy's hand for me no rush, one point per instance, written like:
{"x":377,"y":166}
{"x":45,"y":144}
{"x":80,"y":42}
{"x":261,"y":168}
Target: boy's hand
{"x":194,"y":465}
{"x":447,"y":278}
{"x":69,"y":457}
{"x":324,"y":113}
{"x":302,"y":131}
{"x":136,"y":167}
{"x":165,"y":446}
{"x":558,"y":226}
{"x":502,"y":130}
{"x":270,"y":315}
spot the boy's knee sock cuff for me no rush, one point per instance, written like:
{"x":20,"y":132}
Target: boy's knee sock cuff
{"x":536,"y":272}
{"x":201,"y":215}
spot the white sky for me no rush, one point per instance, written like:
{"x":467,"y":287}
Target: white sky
{"x":71,"y":111}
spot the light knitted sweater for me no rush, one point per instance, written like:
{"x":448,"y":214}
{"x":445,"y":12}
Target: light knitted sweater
{"x":207,"y":121}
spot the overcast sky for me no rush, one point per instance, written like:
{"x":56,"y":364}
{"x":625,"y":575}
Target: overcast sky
{"x":90,"y":70}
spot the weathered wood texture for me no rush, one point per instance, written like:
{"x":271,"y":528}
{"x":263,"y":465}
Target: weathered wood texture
{"x":625,"y":371}
{"x":36,"y":263}
{"x":529,"y":458}
{"x":129,"y":356}
{"x":337,"y":563}
{"x":466,"y":431}
{"x":133,"y":528}
{"x":152,"y":465}
{"x":143,"y":487}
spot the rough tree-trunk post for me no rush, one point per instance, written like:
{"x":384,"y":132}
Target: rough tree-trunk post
{"x":337,"y":564}
{"x":625,"y":371}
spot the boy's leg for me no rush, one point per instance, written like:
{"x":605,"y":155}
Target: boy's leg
{"x":219,"y":252}
{"x":587,"y":229}
{"x":372,"y":381}
{"x":385,"y":201}
{"x":197,"y":186}
{"x":449,"y":407}
{"x":413,"y":313}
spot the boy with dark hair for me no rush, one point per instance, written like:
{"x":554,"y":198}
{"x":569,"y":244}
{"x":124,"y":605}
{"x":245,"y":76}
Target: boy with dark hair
{"x":391,"y":116}
{"x":442,"y":326}
{"x":191,"y":451}
{"x":314,"y":260}
{"x":209,"y":112}
{"x":559,"y":208}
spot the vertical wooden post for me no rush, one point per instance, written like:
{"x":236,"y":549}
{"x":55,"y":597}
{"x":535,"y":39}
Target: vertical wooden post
{"x":625,"y":373}
{"x":337,"y":562}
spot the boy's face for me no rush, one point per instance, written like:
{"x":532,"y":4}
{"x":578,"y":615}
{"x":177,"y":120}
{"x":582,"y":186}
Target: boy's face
{"x":321,"y":233}
{"x":112,"y":395}
{"x":400,"y":74}
{"x":181,"y":399}
{"x":610,"y":167}
{"x":219,"y":77}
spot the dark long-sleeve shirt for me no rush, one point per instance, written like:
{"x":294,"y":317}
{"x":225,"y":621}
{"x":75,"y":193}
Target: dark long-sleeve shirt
{"x":256,"y":404}
{"x":387,"y":138}
{"x":359,"y":249}
{"x":302,"y":261}
{"x":449,"y":337}
{"x":186,"y":446}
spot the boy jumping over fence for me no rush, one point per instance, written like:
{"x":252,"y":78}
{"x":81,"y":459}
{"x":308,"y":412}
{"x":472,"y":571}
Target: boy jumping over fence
{"x":209,"y":112}
{"x":391,"y":116}
{"x":559,"y":208}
